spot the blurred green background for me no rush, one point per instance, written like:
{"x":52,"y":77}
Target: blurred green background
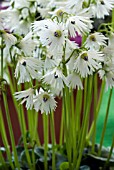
{"x":110,"y":125}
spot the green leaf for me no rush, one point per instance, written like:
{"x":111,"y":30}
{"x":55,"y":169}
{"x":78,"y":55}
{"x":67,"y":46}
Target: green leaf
{"x":19,"y":149}
{"x":39,"y":151}
{"x":60,"y":159}
{"x":100,"y":161}
{"x":23,"y":158}
{"x":64,"y":166}
{"x":84,"y":167}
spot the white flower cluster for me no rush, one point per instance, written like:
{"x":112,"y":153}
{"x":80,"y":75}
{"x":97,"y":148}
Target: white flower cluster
{"x":48,"y":50}
{"x":41,"y":101}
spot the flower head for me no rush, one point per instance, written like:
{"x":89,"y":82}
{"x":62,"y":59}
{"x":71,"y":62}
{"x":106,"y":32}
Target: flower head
{"x":27,"y":68}
{"x":95,"y":40}
{"x":44,"y":102}
{"x":55,"y":78}
{"x":26,"y":96}
{"x":88,"y":62}
{"x":27,"y":44}
{"x":51,"y":34}
{"x":102,"y":8}
{"x":74,"y":6}
{"x":107,"y":73}
{"x":79,"y":24}
{"x":74,"y":81}
{"x":2,"y":19}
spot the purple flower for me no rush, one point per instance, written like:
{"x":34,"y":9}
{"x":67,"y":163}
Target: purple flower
{"x":3,"y":6}
{"x":77,"y":39}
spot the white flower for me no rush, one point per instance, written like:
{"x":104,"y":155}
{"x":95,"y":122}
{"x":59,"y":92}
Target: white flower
{"x":15,"y":23}
{"x":80,"y":24}
{"x":23,"y":28}
{"x":26,"y":96}
{"x":55,"y":78}
{"x":21,"y":4}
{"x":111,"y":38}
{"x":51,"y":34}
{"x":37,"y":25}
{"x":70,"y":64}
{"x":44,"y":102}
{"x":74,"y":5}
{"x":12,"y":19}
{"x":74,"y":81}
{"x":27,"y":44}
{"x":109,"y":53}
{"x":43,"y":12}
{"x":70,"y":47}
{"x":102,"y":8}
{"x":44,"y":7}
{"x":108,"y":77}
{"x":25,"y":13}
{"x":27,"y":68}
{"x":95,"y":40}
{"x":43,"y":3}
{"x":59,"y":13}
{"x":9,"y":39}
{"x":5,"y":71}
{"x":109,"y":50}
{"x":51,"y":60}
{"x":50,"y":63}
{"x":88,"y":62}
{"x":2,"y":19}
{"x":107,"y":73}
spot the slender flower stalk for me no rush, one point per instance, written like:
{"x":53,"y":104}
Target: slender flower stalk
{"x":11,"y":131}
{"x":7,"y":113}
{"x":95,"y":110}
{"x":61,"y":137}
{"x":46,"y":133}
{"x":84,"y":127}
{"x":22,"y":120}
{"x":2,"y":159}
{"x":66,"y":127}
{"x":67,"y":117}
{"x":113,"y":18}
{"x":105,"y":122}
{"x":5,"y":140}
{"x":78,"y":110}
{"x":53,"y":139}
{"x":22,"y":123}
{"x":35,"y":134}
{"x":32,"y":141}
{"x":2,"y":58}
{"x":73,"y":129}
{"x":89,"y":2}
{"x":91,"y":131}
{"x":110,"y":154}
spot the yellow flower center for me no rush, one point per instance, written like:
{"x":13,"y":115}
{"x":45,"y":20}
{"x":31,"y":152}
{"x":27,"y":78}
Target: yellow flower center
{"x":92,"y":38}
{"x":58,"y":33}
{"x":59,"y":13}
{"x":84,"y":56}
{"x":45,"y":97}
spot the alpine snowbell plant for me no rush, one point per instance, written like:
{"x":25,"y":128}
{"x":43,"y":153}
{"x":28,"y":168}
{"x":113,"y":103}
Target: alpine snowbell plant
{"x":51,"y":50}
